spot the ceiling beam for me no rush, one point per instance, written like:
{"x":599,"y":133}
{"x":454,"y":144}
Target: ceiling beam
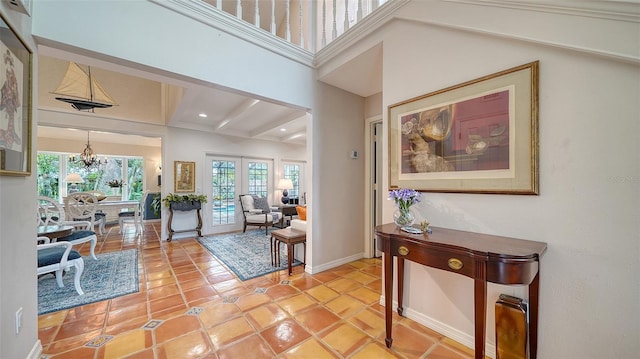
{"x":272,"y":125}
{"x":236,"y":112}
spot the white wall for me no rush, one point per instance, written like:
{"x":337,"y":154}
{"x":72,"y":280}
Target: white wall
{"x":17,"y":240}
{"x":169,"y":42}
{"x":189,"y":145}
{"x":589,"y":203}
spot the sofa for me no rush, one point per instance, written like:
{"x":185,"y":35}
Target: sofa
{"x":300,"y":223}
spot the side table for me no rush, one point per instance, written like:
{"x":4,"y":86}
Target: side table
{"x":290,"y":237}
{"x":287,"y":210}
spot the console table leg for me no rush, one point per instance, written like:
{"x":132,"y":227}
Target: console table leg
{"x":534,"y":292}
{"x":388,"y":296}
{"x":480,"y":308}
{"x":400,"y":284}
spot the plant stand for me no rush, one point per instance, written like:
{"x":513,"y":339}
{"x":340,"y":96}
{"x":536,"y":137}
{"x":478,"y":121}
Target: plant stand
{"x":185,"y":206}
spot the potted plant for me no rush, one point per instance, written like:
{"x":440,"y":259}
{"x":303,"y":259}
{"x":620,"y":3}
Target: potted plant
{"x":116,"y":186}
{"x":155,"y":204}
{"x":184,"y":202}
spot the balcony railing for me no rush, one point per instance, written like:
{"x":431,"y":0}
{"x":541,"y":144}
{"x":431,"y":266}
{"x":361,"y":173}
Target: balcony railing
{"x":309,"y":24}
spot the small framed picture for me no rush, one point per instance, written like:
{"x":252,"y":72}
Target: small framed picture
{"x":184,"y":176}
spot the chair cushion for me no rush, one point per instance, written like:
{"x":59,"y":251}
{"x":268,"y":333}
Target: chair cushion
{"x":247,"y":203}
{"x":302,"y":212}
{"x":77,"y":235}
{"x":261,"y":203}
{"x":260,"y":218}
{"x":53,"y":255}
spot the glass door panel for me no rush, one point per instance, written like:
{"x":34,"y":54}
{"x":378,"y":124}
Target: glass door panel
{"x":224,"y":177}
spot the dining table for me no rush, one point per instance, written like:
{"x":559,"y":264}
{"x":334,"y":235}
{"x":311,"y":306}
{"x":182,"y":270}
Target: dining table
{"x":54,"y":232}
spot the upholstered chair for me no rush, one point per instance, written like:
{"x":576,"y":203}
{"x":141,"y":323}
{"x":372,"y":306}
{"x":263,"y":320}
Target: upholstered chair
{"x":83,"y":206}
{"x":51,"y":214}
{"x":257,"y":212}
{"x":58,"y":257}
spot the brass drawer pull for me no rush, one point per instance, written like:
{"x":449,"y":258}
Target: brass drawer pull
{"x":455,"y":263}
{"x":403,"y":251}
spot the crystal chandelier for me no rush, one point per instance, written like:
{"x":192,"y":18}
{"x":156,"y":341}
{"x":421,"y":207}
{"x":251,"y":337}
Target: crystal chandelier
{"x":87,"y":157}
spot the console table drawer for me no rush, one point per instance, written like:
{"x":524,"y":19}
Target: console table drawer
{"x":450,"y":261}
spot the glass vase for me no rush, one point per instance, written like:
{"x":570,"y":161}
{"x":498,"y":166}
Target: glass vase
{"x":403,"y":218}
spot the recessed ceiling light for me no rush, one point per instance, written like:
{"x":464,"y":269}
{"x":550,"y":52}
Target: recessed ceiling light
{"x":283,"y":130}
{"x":203,"y":115}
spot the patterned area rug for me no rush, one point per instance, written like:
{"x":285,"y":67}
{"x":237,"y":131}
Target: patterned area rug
{"x":112,"y":275}
{"x":246,"y":254}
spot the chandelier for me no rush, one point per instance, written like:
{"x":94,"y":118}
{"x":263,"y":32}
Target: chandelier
{"x":87,"y":157}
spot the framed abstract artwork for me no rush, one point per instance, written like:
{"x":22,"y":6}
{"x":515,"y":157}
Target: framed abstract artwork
{"x":184,"y":176}
{"x":480,"y":136}
{"x":15,"y":103}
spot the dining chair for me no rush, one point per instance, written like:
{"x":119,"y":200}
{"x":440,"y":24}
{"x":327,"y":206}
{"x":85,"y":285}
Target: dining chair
{"x":83,"y":206}
{"x":51,"y":214}
{"x":58,"y":257}
{"x":133,"y":216}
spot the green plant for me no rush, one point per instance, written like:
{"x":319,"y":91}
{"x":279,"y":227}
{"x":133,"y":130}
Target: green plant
{"x":155,"y":204}
{"x":115,"y":183}
{"x":176,"y":198}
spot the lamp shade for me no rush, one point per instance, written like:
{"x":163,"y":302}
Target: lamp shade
{"x":73,"y":178}
{"x":285,"y":183}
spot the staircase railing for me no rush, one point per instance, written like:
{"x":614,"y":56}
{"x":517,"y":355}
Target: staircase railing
{"x":309,"y":24}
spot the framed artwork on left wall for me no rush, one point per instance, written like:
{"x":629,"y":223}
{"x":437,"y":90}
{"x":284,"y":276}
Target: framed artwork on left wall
{"x":15,"y":103}
{"x":184,"y":176}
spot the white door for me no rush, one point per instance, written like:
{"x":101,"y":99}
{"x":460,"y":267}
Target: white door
{"x":224,"y":175}
{"x":229,"y":178}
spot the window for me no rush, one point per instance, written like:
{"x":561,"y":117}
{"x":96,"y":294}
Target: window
{"x":54,"y":167}
{"x":258,"y":178}
{"x":292,"y":172}
{"x":48,"y":174}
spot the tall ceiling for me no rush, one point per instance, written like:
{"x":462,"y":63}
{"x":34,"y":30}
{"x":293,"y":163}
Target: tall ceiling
{"x":143,"y":97}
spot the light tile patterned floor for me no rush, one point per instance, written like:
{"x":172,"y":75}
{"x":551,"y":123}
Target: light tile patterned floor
{"x":191,"y":306}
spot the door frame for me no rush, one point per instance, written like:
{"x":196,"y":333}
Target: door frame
{"x":373,"y":192}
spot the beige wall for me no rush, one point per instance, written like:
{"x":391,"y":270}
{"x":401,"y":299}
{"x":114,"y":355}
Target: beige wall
{"x":17,"y":240}
{"x":589,"y":203}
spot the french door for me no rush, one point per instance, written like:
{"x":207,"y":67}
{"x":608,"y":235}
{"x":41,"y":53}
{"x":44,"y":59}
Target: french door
{"x":229,"y":177}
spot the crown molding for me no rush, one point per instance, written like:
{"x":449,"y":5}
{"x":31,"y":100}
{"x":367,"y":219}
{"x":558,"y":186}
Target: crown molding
{"x":222,"y":21}
{"x":627,"y":11}
{"x":611,"y":10}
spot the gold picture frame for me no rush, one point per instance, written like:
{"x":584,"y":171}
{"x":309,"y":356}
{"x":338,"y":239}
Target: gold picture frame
{"x":184,"y":176}
{"x":480,"y":136}
{"x":15,"y":103}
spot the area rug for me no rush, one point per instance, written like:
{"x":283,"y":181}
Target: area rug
{"x":246,"y":254}
{"x":112,"y":275}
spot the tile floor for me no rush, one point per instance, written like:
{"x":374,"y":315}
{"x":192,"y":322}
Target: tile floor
{"x":191,"y":306}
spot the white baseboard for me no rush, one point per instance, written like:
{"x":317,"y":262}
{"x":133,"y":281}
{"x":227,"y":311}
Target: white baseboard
{"x":36,"y":351}
{"x":444,"y":329}
{"x":333,"y":264}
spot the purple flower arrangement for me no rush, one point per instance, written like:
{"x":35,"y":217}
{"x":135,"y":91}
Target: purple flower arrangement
{"x":404,"y":198}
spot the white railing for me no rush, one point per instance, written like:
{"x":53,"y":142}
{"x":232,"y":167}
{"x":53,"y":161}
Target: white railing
{"x":309,"y":24}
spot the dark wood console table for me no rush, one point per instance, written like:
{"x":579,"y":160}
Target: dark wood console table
{"x":482,"y":257}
